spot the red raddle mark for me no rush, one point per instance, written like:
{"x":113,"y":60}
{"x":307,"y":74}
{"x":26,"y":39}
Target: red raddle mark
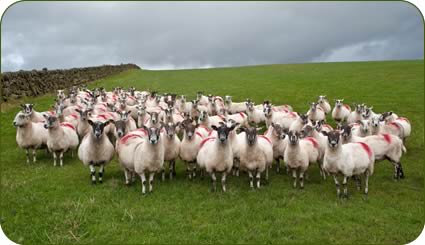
{"x":142,"y":130}
{"x":265,"y":137}
{"x":206,"y":140}
{"x":127,"y":137}
{"x":387,"y":138}
{"x":395,"y":125}
{"x":199,"y":134}
{"x":65,"y":124}
{"x":207,"y":129}
{"x":74,"y":116}
{"x":366,"y":148}
{"x":347,"y":106}
{"x":242,"y":114}
{"x":313,"y":141}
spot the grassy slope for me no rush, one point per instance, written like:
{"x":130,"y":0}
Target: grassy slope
{"x":40,"y":203}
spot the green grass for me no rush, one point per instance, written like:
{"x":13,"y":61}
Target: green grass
{"x":44,"y":204}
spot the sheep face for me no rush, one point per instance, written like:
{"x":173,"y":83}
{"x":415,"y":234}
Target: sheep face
{"x":84,"y":114}
{"x":249,"y":105}
{"x":169,"y":113}
{"x":98,"y":127}
{"x":367,"y":112}
{"x":384,"y":115}
{"x":223,"y":132}
{"x":313,"y":106}
{"x":203,"y":115}
{"x":20,"y":120}
{"x":319,"y":125}
{"x":111,"y":107}
{"x":375,"y":121}
{"x":365,"y":126}
{"x":140,"y":110}
{"x":267,"y":110}
{"x":189,"y":128}
{"x":304,"y":118}
{"x":346,"y":131}
{"x":120,"y":126}
{"x":51,"y":121}
{"x":251,"y":135}
{"x":339,"y":103}
{"x":153,"y":134}
{"x":170,"y":129}
{"x":293,"y":137}
{"x":124,"y":115}
{"x":60,"y":94}
{"x":228,"y":99}
{"x":27,"y":108}
{"x":279,"y":131}
{"x":333,"y":138}
{"x":322,"y":99}
{"x":154,"y":117}
{"x":359,"y":108}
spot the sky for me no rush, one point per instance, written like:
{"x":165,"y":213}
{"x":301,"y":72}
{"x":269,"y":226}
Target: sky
{"x":181,"y":35}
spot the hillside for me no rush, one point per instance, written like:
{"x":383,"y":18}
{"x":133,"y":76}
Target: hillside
{"x":44,"y":204}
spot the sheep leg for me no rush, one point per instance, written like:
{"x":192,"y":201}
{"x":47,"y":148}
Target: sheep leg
{"x":143,"y":179}
{"x":294,"y":175}
{"x":174,"y":168}
{"x":358,"y":182}
{"x":101,"y":168}
{"x":302,"y":179}
{"x":170,"y":169}
{"x":400,"y":169}
{"x":277,"y":165}
{"x":213,"y":180}
{"x":92,"y":174}
{"x":337,"y":186}
{"x":251,"y":184}
{"x":366,"y":188}
{"x":28,"y":155}
{"x":344,"y":184}
{"x":127,"y":176}
{"x":151,"y":175}
{"x":258,"y":179}
{"x":163,"y":174}
{"x":54,"y":158}
{"x":194,"y":172}
{"x":223,"y":181}
{"x":61,"y":158}
{"x":267,"y":174}
{"x":34,"y":155}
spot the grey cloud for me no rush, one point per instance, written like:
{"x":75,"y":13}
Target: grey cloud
{"x":191,"y":34}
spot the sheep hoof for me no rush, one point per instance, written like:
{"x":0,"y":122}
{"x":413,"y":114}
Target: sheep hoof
{"x":101,"y":181}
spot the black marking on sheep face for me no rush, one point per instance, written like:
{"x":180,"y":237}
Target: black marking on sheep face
{"x":169,"y":113}
{"x":304,"y":119}
{"x":189,"y":128}
{"x":313,"y":106}
{"x":124,"y":115}
{"x":154,"y":117}
{"x":98,"y":127}
{"x":279,"y":131}
{"x":120,"y":128}
{"x":223,"y":132}
{"x":153,"y":134}
{"x":367,"y":112}
{"x":20,"y":120}
{"x":203,"y":116}
{"x":333,"y":138}
{"x":338,"y":103}
{"x":293,"y":137}
{"x":375,"y":121}
{"x":251,"y":135}
{"x":267,"y":110}
{"x":365,"y":126}
{"x":308,"y":131}
{"x":51,"y":121}
{"x":27,"y":108}
{"x":346,"y":131}
{"x":84,"y":114}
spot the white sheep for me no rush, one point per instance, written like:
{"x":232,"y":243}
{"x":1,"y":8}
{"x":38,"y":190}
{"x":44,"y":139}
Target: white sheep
{"x":356,"y":115}
{"x":352,"y":159}
{"x":171,"y":147}
{"x":233,"y":107}
{"x":34,"y":116}
{"x":61,"y":137}
{"x":96,"y":149}
{"x":189,"y":146}
{"x":208,"y":121}
{"x":215,"y":155}
{"x":388,"y":117}
{"x":316,"y":113}
{"x":29,"y":135}
{"x":324,"y":103}
{"x":149,"y":156}
{"x":283,"y":117}
{"x":299,"y":154}
{"x":400,"y":127}
{"x":341,"y":111}
{"x":362,"y":128}
{"x":276,"y":134}
{"x":255,"y":114}
{"x":299,"y":123}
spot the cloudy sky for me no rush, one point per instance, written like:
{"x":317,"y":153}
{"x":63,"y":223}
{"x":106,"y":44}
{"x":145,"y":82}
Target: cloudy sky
{"x":198,"y":35}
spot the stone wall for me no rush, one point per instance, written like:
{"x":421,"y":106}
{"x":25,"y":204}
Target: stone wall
{"x":15,"y":85}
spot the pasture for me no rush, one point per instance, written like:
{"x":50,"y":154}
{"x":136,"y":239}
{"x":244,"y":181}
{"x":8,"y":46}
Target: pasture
{"x":45,"y":204}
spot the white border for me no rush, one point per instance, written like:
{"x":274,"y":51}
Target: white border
{"x":4,"y":4}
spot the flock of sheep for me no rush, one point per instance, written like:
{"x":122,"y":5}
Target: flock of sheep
{"x":212,"y":135}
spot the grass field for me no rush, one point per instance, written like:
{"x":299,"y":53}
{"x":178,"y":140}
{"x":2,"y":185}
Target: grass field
{"x":45,"y":204}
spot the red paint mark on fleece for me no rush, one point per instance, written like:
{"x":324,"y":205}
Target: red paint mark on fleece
{"x":327,"y":126}
{"x":199,"y":134}
{"x":292,"y":114}
{"x":366,"y":148}
{"x":403,"y":119}
{"x":206,"y":140}
{"x":347,"y":106}
{"x":127,"y":137}
{"x":207,"y":129}
{"x":142,"y":130}
{"x":222,"y":117}
{"x":387,"y":138}
{"x":395,"y":125}
{"x":74,"y":116}
{"x":313,"y":141}
{"x":242,"y":114}
{"x":265,"y":137}
{"x":102,"y":116}
{"x":65,"y":124}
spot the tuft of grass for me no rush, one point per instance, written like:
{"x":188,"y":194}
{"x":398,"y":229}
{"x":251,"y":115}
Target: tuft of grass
{"x":44,"y":204}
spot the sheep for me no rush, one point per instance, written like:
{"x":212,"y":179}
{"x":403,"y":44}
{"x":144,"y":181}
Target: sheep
{"x":172,"y":116}
{"x":314,"y":132}
{"x":142,"y":116}
{"x":154,"y":121}
{"x":96,"y":149}
{"x":171,"y":147}
{"x":340,"y":112}
{"x":255,"y":114}
{"x":299,"y":123}
{"x":61,"y":138}
{"x":34,"y":116}
{"x":239,"y":117}
{"x":215,"y":155}
{"x":299,"y":154}
{"x":276,"y":134}
{"x":400,"y":127}
{"x":324,"y":104}
{"x":202,"y":99}
{"x":367,"y":113}
{"x":388,"y":117}
{"x":197,"y":109}
{"x":356,"y":115}
{"x":363,"y":129}
{"x":384,"y":146}
{"x":149,"y":156}
{"x":283,"y":108}
{"x":130,"y":123}
{"x":233,"y":107}
{"x":125,"y":147}
{"x":189,"y":146}
{"x":352,"y":159}
{"x":182,"y":105}
{"x":316,"y":113}
{"x":29,"y":135}
{"x":83,"y":126}
{"x":253,"y":157}
{"x":208,"y":121}
{"x":284,"y":118}
{"x":322,"y":126}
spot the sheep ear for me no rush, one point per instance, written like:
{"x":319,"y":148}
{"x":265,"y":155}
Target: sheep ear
{"x":78,"y":110}
{"x":273,"y":125}
{"x":177,"y":124}
{"x":90,"y":122}
{"x":390,"y":113}
{"x":214,"y":127}
{"x":285,"y":130}
{"x":128,"y":112}
{"x":45,"y":115}
{"x":325,"y":133}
